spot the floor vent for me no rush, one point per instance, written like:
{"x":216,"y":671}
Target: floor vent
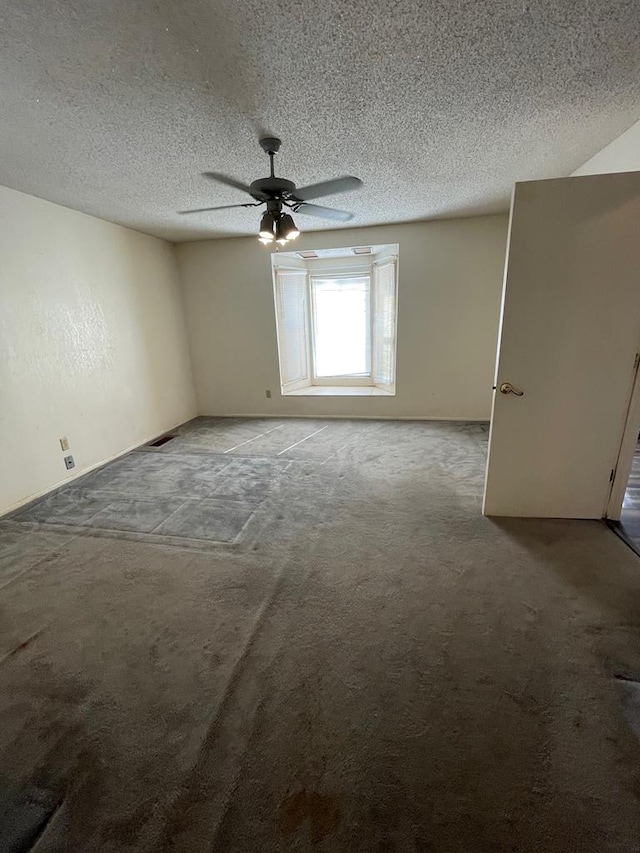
{"x":160,"y":441}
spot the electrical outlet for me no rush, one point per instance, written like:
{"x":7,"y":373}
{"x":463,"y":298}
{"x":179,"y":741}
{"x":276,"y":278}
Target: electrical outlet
{"x":69,"y":463}
{"x":267,"y":394}
{"x":64,"y":443}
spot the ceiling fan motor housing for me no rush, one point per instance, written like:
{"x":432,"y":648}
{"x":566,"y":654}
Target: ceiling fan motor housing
{"x":275,"y":188}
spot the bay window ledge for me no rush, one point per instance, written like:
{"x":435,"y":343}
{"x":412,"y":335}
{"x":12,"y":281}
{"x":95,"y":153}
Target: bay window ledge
{"x":339,"y":391}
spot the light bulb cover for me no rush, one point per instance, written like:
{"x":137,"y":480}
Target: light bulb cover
{"x":267,"y":224}
{"x":286,"y":228}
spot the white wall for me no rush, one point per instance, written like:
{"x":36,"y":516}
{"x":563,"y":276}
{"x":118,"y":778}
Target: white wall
{"x":450,"y":279}
{"x":621,"y":155}
{"x":92,"y":343}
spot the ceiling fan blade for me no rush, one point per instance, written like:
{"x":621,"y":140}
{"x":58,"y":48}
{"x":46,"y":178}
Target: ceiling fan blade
{"x":228,"y":182}
{"x":323,"y":212}
{"x":337,"y":185}
{"x":221,"y":207}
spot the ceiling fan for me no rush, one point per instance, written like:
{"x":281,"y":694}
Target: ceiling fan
{"x":277,"y":193}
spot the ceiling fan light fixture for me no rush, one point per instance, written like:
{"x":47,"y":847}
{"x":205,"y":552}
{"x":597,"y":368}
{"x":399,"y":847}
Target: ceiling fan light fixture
{"x":288,"y":227}
{"x":267,"y":227}
{"x":285,"y":229}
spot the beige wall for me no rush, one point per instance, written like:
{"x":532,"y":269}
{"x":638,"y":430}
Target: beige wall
{"x":621,"y":155}
{"x":450,"y":279}
{"x":92,"y":343}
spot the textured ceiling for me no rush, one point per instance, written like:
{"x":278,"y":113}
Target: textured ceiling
{"x":116,"y":107}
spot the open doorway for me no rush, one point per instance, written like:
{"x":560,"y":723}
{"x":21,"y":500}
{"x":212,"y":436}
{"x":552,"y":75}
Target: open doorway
{"x":623,"y":508}
{"x":629,"y":524}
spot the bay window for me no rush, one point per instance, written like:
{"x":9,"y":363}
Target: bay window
{"x":336,"y":322}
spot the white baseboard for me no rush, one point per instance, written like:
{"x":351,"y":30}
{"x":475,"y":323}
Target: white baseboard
{"x":318,"y":417}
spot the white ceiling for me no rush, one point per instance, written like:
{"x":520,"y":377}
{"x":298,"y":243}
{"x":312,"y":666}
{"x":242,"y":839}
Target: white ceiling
{"x":115,"y":107}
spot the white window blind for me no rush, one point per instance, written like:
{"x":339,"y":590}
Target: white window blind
{"x":341,"y":326}
{"x":384,"y":324}
{"x":291,"y":302}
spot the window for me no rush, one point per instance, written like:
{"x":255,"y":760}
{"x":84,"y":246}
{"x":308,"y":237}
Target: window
{"x":336,"y":321}
{"x":341,"y":327}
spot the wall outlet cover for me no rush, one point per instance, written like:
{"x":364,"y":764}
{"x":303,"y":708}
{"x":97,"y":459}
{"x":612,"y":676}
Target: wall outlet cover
{"x":69,"y":463}
{"x":267,"y":393}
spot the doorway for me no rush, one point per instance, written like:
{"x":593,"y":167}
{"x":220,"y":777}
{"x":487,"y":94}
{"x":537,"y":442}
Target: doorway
{"x":623,"y":508}
{"x":628,"y":527}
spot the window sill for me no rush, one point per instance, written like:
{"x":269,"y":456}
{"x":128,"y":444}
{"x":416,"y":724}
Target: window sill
{"x":339,"y":391}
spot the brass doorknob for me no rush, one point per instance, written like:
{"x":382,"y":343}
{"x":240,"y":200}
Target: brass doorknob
{"x":507,"y":388}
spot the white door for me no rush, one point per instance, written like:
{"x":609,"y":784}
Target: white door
{"x":569,"y":335}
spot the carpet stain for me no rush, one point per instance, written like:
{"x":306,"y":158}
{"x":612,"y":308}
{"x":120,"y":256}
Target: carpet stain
{"x":321,"y":810}
{"x":23,"y":645}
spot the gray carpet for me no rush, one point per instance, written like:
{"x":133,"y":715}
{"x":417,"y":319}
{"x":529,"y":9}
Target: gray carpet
{"x":310,"y":639}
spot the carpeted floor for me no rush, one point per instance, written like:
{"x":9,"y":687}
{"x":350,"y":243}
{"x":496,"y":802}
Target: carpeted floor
{"x":300,"y":636}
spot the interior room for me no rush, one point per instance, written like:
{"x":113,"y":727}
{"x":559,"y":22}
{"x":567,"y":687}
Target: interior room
{"x":319,"y":345}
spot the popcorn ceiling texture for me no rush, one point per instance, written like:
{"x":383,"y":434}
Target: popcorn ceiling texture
{"x":117,"y":108}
